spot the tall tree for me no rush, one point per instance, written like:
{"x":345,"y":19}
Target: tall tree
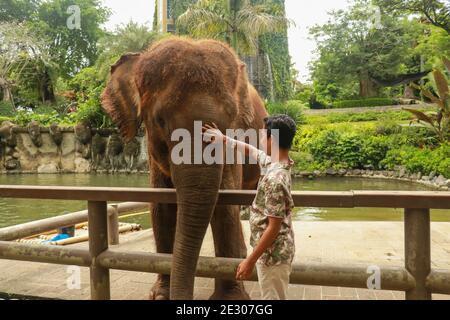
{"x":20,"y":50}
{"x":237,"y":22}
{"x":437,"y":12}
{"x":353,"y":47}
{"x":17,"y":10}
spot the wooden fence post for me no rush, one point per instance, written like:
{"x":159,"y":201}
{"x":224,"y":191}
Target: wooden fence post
{"x":98,"y":243}
{"x":113,"y":225}
{"x":418,"y":251}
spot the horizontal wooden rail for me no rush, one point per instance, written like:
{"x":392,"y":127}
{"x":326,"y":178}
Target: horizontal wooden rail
{"x":39,"y":226}
{"x":350,"y":275}
{"x":416,"y":278}
{"x":347,"y":199}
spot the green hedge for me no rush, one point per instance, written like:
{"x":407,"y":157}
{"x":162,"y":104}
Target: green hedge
{"x":425,"y":160}
{"x":372,"y":102}
{"x":381,"y":146}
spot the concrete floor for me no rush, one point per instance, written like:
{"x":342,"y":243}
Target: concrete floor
{"x":371,"y":243}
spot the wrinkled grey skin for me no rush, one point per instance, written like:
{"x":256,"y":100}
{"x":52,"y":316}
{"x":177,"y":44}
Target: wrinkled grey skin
{"x":34,"y":130}
{"x":176,"y":83}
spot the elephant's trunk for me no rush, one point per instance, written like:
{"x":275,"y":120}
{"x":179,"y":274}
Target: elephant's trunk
{"x":197,"y":191}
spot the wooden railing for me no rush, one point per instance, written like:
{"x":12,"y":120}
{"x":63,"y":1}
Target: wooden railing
{"x":416,"y":278}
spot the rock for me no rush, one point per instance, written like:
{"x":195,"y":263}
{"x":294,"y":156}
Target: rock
{"x":448,"y":183}
{"x":48,"y":168}
{"x":357,"y":172}
{"x":342,"y":172}
{"x":441,"y":181}
{"x":330,"y":172}
{"x":402,"y":172}
{"x":432,"y":175}
{"x":82,"y":165}
{"x":317,"y":173}
{"x":305,"y":174}
{"x":425,"y":178}
{"x":370,"y":172}
{"x":12,"y":164}
{"x":419,"y":175}
{"x":16,"y":155}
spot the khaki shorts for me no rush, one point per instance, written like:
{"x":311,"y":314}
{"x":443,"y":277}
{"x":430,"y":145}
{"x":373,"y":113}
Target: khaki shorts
{"x":273,"y":281}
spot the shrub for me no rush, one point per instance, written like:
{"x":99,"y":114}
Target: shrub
{"x":425,"y":160}
{"x":24,"y":117}
{"x":292,"y":108}
{"x":6,"y":109}
{"x":371,"y":102}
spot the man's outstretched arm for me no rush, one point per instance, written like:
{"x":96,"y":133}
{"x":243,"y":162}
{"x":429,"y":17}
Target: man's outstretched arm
{"x":211,"y":133}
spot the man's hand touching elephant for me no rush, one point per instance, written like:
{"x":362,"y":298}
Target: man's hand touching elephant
{"x":212,"y":134}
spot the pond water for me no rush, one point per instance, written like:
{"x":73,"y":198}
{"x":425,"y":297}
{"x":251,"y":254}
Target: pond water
{"x":13,"y":211}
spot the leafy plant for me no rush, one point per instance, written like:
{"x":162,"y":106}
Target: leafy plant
{"x":292,"y":108}
{"x":438,"y":121}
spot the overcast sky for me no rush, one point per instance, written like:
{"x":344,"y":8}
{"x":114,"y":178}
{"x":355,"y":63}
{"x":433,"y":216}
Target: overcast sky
{"x":303,"y":13}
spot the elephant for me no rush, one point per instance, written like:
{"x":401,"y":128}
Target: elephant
{"x":174,"y":83}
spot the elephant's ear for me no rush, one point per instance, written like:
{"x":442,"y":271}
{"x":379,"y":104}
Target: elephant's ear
{"x":121,"y":98}
{"x":246,"y":113}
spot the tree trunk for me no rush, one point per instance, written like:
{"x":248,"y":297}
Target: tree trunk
{"x":367,"y":88}
{"x":46,"y":90}
{"x":6,"y":94}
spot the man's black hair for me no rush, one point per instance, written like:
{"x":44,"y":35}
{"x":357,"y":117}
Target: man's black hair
{"x":286,"y":127}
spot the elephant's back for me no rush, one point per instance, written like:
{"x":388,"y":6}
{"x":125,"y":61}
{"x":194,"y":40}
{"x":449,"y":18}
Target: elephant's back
{"x":205,"y":65}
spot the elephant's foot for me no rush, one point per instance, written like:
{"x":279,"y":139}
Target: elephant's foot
{"x":160,"y":290}
{"x":236,"y":292}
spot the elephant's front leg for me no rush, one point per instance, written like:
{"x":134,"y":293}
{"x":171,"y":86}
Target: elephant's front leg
{"x":164,"y":223}
{"x":229,"y":243}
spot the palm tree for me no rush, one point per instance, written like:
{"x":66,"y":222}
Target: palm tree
{"x":237,"y":22}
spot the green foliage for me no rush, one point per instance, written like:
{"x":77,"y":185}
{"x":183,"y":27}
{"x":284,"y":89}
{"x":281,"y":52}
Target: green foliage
{"x":89,"y":86}
{"x":304,"y":93}
{"x":240,"y":23}
{"x":436,"y":11}
{"x":292,"y":108}
{"x":378,"y":145}
{"x":438,"y":121}
{"x":24,"y":117}
{"x":340,"y":117}
{"x":6,"y":109}
{"x":371,"y":102}
{"x":72,"y":49}
{"x":353,"y":51}
{"x":425,"y":160}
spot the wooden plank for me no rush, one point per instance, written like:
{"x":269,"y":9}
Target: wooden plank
{"x":348,"y":199}
{"x":402,"y":199}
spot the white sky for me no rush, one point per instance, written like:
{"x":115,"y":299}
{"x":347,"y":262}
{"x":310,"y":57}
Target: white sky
{"x":305,"y":13}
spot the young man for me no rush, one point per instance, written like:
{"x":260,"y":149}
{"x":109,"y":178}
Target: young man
{"x":272,"y":235}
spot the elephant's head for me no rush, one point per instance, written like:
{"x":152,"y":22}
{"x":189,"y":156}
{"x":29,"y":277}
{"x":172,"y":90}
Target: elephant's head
{"x":174,"y":84}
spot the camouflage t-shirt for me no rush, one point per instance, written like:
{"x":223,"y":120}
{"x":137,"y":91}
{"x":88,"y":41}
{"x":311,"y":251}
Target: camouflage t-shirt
{"x":273,"y":199}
